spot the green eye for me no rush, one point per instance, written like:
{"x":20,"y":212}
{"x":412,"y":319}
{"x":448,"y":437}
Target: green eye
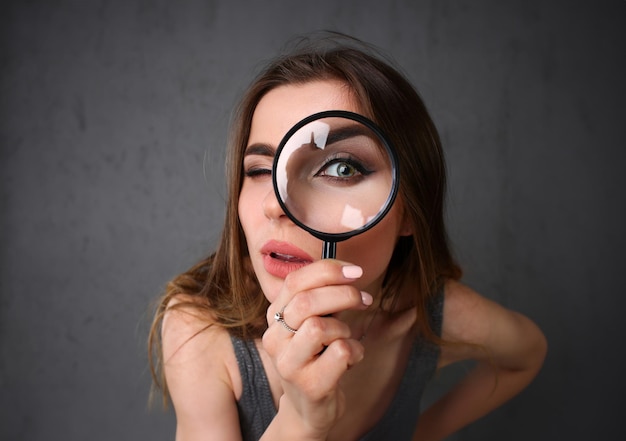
{"x":343,"y":170}
{"x":340,"y":170}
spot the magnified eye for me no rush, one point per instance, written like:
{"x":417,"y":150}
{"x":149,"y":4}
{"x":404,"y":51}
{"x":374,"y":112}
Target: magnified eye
{"x":343,"y":169}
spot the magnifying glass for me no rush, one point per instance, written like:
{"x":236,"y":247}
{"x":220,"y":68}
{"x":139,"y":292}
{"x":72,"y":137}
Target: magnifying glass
{"x":335,"y":174}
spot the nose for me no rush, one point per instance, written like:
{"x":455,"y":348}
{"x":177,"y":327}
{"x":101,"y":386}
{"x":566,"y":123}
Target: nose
{"x":271,"y":207}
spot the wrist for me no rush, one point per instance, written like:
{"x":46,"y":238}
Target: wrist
{"x":291,"y":425}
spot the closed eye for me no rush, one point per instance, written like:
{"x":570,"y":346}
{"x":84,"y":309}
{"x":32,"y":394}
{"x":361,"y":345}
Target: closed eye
{"x":257,"y":172}
{"x":257,"y":161}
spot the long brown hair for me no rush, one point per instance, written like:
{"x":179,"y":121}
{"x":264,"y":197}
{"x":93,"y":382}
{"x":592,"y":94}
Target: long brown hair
{"x":224,"y":285}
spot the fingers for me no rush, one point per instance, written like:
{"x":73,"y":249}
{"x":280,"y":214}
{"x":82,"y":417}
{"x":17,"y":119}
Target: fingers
{"x":321,"y":288}
{"x":300,"y":320}
{"x":310,"y":348}
{"x":314,"y":337}
{"x":323,"y":301}
{"x":302,"y":346}
{"x":346,"y":352}
{"x":323,"y":272}
{"x":318,"y":355}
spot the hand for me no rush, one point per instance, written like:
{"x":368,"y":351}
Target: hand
{"x":311,"y":361}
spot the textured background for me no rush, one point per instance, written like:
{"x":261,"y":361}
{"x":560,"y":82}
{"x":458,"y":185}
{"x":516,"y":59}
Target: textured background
{"x":108,"y":110}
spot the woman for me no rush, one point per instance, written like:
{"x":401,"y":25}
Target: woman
{"x":262,"y":340}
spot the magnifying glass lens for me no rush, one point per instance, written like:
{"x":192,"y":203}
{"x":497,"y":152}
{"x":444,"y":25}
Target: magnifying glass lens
{"x":335,"y":175}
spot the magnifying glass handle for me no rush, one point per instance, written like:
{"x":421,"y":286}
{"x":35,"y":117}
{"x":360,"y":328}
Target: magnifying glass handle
{"x":330,"y":250}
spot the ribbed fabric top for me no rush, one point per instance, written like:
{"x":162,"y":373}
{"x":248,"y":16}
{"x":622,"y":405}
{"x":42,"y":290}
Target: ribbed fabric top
{"x":256,"y":406}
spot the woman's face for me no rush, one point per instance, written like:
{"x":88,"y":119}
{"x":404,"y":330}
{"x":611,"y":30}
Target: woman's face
{"x":277,"y":246}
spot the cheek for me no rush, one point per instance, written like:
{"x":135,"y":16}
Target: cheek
{"x":371,"y":250}
{"x":241,"y":213}
{"x":245,"y":207}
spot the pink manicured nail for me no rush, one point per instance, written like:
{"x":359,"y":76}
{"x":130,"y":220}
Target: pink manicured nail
{"x":366,"y":298}
{"x":352,"y":271}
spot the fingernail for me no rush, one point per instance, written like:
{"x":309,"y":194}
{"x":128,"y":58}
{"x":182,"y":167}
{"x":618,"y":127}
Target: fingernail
{"x":366,"y":298}
{"x":352,"y":271}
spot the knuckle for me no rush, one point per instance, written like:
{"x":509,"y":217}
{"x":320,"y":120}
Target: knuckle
{"x":330,"y":267}
{"x":314,"y":328}
{"x":342,"y":350}
{"x":359,"y":352}
{"x":291,"y":282}
{"x":351,"y":294}
{"x":300,"y":305}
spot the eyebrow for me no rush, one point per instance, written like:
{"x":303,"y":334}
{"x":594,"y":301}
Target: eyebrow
{"x":260,"y":149}
{"x":335,"y":135}
{"x":346,"y":132}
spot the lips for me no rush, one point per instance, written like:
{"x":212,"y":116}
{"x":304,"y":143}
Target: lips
{"x":281,"y":258}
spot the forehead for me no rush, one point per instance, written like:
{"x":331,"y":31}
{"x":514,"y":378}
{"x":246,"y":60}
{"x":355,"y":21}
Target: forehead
{"x":284,"y":106}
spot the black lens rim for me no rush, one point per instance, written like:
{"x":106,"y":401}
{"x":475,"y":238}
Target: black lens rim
{"x":395,"y":171}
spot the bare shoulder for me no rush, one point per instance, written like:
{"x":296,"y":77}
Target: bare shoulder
{"x":484,"y":330}
{"x":466,"y":314}
{"x":201,"y":372}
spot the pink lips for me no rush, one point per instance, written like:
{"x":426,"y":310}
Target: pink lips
{"x":281,"y":258}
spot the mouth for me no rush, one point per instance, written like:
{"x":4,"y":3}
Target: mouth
{"x":288,"y":258}
{"x":281,"y":258}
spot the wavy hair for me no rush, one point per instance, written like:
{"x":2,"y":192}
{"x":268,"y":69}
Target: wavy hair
{"x":223,"y":286}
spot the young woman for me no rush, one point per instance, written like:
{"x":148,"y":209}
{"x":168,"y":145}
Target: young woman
{"x":264,"y":340}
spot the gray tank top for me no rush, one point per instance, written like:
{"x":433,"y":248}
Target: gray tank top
{"x":256,"y":406}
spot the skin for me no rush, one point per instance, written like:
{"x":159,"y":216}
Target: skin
{"x":340,"y":393}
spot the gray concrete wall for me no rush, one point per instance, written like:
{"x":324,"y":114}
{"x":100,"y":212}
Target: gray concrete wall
{"x":107,"y":110}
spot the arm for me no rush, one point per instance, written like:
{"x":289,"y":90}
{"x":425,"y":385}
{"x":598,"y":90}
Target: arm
{"x":196,"y":364}
{"x":509,"y":350}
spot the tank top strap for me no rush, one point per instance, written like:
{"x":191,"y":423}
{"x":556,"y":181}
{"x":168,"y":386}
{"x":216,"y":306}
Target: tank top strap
{"x":256,"y":405}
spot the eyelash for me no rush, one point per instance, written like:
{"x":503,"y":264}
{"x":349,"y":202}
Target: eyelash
{"x":257,"y":172}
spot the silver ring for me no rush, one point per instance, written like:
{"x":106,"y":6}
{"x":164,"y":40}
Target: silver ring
{"x":280,"y":318}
